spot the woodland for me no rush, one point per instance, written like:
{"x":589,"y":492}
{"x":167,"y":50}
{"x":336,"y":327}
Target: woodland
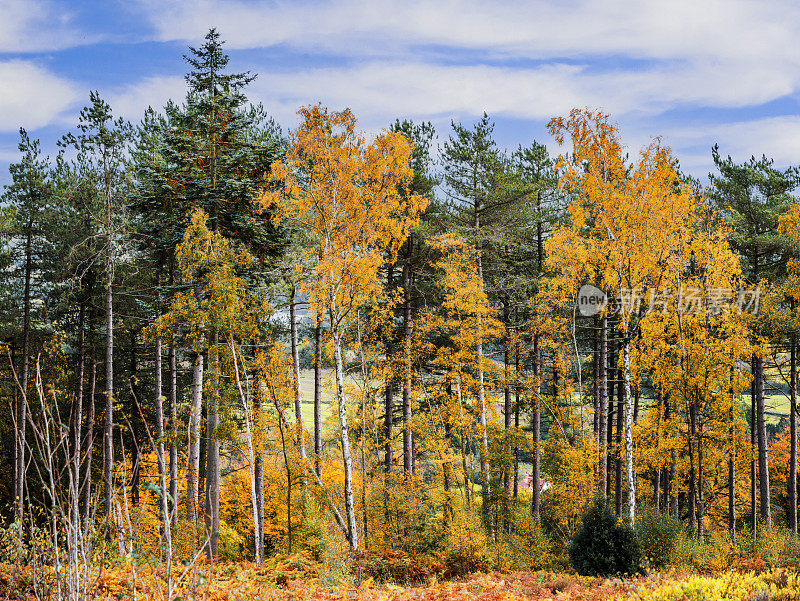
{"x":244,"y":361}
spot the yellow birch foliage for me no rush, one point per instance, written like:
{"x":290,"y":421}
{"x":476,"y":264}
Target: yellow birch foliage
{"x":351,"y":197}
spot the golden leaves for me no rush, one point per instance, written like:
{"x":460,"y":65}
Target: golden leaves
{"x":352,"y":197}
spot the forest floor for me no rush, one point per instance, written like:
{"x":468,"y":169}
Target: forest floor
{"x":244,"y":581}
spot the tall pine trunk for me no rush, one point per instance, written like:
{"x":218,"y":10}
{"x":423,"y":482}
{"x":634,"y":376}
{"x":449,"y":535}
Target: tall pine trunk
{"x":22,"y":408}
{"x":108,"y":432}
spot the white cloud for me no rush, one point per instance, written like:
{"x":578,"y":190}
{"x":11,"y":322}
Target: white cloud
{"x":713,"y":53}
{"x":377,"y":89}
{"x":35,"y":96}
{"x":776,"y":137}
{"x":537,"y":29}
{"x":131,"y":101}
{"x":36,"y":25}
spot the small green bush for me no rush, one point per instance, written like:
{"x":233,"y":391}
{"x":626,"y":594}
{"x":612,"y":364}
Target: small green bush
{"x":601,"y":546}
{"x":657,"y":534}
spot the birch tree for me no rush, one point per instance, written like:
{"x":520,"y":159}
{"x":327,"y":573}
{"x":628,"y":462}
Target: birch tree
{"x":350,"y":195}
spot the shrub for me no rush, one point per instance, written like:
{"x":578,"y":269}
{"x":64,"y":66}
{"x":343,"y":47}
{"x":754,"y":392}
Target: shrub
{"x":528,"y":546}
{"x":232,"y":544}
{"x":601,"y":546}
{"x":657,"y":534}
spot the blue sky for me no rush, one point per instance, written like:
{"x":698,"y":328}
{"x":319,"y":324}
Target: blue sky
{"x":693,"y":72}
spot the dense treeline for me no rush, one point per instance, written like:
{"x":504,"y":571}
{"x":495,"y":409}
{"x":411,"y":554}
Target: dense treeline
{"x":169,"y":287}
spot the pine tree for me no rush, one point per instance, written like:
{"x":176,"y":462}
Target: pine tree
{"x":103,"y":142}
{"x":751,"y":198}
{"x":28,"y":195}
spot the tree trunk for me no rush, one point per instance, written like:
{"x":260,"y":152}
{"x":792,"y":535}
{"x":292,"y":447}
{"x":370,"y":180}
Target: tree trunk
{"x":732,"y":463}
{"x":258,"y":473}
{"x":754,"y":460}
{"x":135,"y":421}
{"x":88,"y":506}
{"x":298,"y":399}
{"x":602,"y":434}
{"x":763,"y":459}
{"x":626,"y":366}
{"x":536,"y":427}
{"x":193,"y":471}
{"x":692,"y":492}
{"x":614,"y":383}
{"x":108,"y":440}
{"x":22,"y":408}
{"x":160,"y":433}
{"x":618,"y":446}
{"x":212,"y":457}
{"x":507,"y":412}
{"x":463,"y":437}
{"x":173,"y":429}
{"x":700,"y":481}
{"x":447,"y":465}
{"x":793,"y":432}
{"x":318,"y":396}
{"x":516,"y":422}
{"x":595,"y":379}
{"x":407,"y":434}
{"x":345,"y":436}
{"x":78,"y":422}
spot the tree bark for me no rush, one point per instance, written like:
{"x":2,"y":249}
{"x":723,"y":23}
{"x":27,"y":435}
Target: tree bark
{"x":536,"y":427}
{"x":160,"y":433}
{"x":318,"y":396}
{"x":732,"y":463}
{"x":345,"y":436}
{"x":793,"y":431}
{"x":507,"y":413}
{"x":212,"y":458}
{"x":516,"y":421}
{"x":22,"y":409}
{"x":754,"y":460}
{"x":298,"y":399}
{"x":407,"y":434}
{"x":602,"y":434}
{"x":626,"y":366}
{"x":618,"y":446}
{"x":258,"y":514}
{"x":134,"y":423}
{"x":388,"y":406}
{"x":173,"y":428}
{"x":88,"y":506}
{"x":692,"y":492}
{"x":193,"y":471}
{"x":108,"y":432}
{"x":763,"y":459}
